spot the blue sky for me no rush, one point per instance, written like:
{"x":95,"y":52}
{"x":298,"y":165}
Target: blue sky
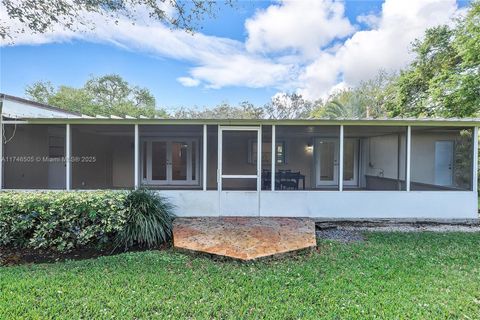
{"x":250,"y":52}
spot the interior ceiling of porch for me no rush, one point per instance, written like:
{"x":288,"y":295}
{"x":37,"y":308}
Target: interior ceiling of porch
{"x":170,"y":130}
{"x":281,"y":131}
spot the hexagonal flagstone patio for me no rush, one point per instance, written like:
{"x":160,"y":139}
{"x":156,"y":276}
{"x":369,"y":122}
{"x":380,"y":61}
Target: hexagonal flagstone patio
{"x":244,"y":238}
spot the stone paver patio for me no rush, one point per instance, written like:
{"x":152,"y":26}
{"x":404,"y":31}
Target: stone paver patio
{"x":244,"y":238}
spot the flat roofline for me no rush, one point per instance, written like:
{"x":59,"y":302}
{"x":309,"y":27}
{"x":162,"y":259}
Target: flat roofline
{"x":353,"y":122}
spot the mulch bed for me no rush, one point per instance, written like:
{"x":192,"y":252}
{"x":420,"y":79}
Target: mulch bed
{"x":15,"y":256}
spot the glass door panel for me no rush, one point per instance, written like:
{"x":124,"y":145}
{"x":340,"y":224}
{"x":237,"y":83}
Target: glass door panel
{"x":159,"y":161}
{"x":194,"y":160}
{"x":180,"y":152}
{"x":327,"y":161}
{"x":350,"y":152}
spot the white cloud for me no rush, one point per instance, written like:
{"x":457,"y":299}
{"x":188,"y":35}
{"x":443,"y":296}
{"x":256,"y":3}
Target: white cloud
{"x":293,"y":45}
{"x":242,"y":69}
{"x":217,"y":61}
{"x":385,"y":46}
{"x":188,"y":82}
{"x":303,"y":26}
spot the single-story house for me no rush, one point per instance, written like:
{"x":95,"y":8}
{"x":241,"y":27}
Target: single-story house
{"x":319,"y":168}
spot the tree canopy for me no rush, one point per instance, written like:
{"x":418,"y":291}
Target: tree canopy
{"x":41,"y":16}
{"x":224,"y":110}
{"x":281,"y":106}
{"x":444,"y":78}
{"x":106,"y":95}
{"x":367,"y":100}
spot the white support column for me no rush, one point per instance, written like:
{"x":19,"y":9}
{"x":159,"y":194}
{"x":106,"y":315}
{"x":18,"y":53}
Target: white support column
{"x":68,"y":158}
{"x":409,"y":150}
{"x":259,"y":168}
{"x":340,"y":171}
{"x":137,"y":159}
{"x":475,"y":160}
{"x":274,"y":156}
{"x":219,"y":168}
{"x":204,"y":163}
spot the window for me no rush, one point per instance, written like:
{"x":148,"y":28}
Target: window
{"x":267,"y":152}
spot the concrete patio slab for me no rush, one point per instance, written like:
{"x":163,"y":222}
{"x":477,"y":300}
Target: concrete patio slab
{"x":244,"y":238}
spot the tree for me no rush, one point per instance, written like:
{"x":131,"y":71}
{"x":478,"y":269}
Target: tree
{"x":367,"y":100}
{"x":288,"y":106}
{"x":41,"y":16}
{"x":444,"y":78}
{"x":40,"y":91}
{"x":342,"y":104}
{"x":245,"y":110}
{"x":106,"y":95}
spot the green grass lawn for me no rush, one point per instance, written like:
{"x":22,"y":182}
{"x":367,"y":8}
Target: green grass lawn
{"x":417,"y":275}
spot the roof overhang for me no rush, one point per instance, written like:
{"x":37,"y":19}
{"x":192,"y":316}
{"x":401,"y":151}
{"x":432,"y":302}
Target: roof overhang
{"x":238,"y":122}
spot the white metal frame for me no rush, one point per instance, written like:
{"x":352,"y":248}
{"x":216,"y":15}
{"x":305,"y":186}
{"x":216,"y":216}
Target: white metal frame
{"x":221,"y":176}
{"x":409,"y":157}
{"x":68,"y":158}
{"x":204,"y":157}
{"x":169,"y":179}
{"x":475,"y":161}
{"x":274,"y":156}
{"x":340,"y":160}
{"x":137,"y":159}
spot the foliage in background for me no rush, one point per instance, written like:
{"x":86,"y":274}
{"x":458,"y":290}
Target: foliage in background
{"x":63,"y":221}
{"x":281,"y":106}
{"x":245,"y":110}
{"x":149,"y":220}
{"x":367,"y":100}
{"x":106,"y":95}
{"x":444,"y":78}
{"x":288,"y":106}
{"x":43,"y":16}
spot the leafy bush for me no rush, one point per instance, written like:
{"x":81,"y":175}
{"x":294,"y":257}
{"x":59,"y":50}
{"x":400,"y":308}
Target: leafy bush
{"x":60,"y":220}
{"x":149,"y":220}
{"x":63,"y":221}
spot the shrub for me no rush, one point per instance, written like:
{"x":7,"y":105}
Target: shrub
{"x":149,"y":220}
{"x":60,"y":220}
{"x":63,"y":221}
